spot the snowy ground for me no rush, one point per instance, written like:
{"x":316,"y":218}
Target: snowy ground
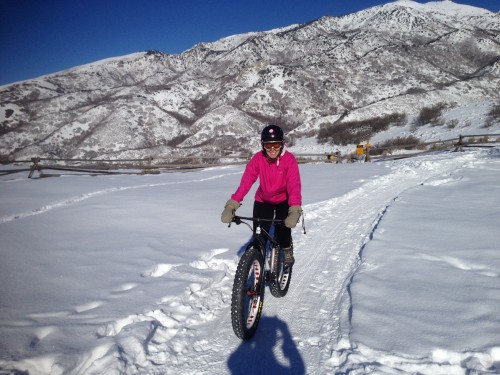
{"x":398,"y":273}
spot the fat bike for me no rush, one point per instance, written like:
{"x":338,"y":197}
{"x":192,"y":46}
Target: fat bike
{"x":262,"y":263}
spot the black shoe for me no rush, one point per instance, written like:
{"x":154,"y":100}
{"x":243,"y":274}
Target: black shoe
{"x":289,"y":259}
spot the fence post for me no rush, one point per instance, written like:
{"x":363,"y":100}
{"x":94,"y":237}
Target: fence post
{"x":460,"y":143}
{"x":148,"y":168}
{"x":34,"y":166}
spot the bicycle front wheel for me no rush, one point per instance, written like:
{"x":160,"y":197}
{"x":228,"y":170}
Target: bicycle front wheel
{"x":248,"y":293}
{"x":281,"y":275}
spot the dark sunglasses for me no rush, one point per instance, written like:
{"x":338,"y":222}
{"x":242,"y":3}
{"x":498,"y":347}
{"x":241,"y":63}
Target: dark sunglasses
{"x":272,"y":145}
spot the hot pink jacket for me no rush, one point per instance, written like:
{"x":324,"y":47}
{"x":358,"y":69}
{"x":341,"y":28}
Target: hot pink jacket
{"x":279,"y":180}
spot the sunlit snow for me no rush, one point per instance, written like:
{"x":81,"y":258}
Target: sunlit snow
{"x":398,"y":272}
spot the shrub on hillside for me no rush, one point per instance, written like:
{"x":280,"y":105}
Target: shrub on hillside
{"x":430,"y":115}
{"x":495,"y":111}
{"x":174,"y":142}
{"x":352,"y":132}
{"x":493,"y":116}
{"x":452,"y":124}
{"x":398,"y":143}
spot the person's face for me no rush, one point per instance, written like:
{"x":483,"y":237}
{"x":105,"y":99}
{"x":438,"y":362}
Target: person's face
{"x":272,"y":149}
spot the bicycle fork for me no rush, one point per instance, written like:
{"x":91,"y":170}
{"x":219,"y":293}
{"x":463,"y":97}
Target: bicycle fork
{"x":256,"y":289}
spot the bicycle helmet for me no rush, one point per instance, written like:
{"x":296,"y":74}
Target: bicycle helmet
{"x":272,"y":133}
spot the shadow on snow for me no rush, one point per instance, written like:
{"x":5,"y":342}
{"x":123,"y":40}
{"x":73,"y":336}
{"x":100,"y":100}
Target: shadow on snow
{"x":258,"y":355}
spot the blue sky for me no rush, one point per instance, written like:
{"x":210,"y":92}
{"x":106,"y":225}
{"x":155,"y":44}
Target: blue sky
{"x":40,"y":37}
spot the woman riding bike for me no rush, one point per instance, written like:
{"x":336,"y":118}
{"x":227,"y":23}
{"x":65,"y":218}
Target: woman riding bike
{"x":279,"y":195}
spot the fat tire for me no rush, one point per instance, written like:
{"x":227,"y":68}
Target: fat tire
{"x":246,"y":310}
{"x":280,"y":277}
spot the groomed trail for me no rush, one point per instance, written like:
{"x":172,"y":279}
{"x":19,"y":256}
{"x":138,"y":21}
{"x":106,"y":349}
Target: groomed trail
{"x":158,"y":301}
{"x":308,"y":330}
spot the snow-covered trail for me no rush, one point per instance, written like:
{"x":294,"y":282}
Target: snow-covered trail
{"x":164,"y":307}
{"x":306,"y":331}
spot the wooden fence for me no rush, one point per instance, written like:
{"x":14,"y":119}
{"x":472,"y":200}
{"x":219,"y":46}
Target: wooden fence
{"x":182,"y":163}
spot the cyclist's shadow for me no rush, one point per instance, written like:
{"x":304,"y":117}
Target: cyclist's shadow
{"x":256,"y":356}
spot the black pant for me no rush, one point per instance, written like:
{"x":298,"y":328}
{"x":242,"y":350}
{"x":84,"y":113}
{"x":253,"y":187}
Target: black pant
{"x":274,"y":211}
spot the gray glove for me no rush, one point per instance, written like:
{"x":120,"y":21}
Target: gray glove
{"x":229,"y":210}
{"x":293,"y":217}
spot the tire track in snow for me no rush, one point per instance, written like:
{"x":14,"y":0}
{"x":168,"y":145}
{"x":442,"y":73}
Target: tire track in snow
{"x":192,"y":333}
{"x":317,"y":307}
{"x":85,"y":196}
{"x":329,"y":255}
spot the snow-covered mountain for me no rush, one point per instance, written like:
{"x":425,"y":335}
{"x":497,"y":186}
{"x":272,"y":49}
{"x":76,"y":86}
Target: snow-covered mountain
{"x":395,"y":58}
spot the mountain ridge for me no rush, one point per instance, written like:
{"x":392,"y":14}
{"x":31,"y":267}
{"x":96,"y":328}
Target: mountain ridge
{"x":215,"y":97}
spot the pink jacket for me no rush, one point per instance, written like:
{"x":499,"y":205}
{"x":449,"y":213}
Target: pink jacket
{"x":279,"y":180}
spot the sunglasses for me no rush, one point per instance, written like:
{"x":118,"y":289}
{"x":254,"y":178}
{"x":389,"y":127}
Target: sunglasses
{"x":272,"y":145}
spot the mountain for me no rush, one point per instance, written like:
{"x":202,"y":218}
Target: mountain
{"x":397,"y":58}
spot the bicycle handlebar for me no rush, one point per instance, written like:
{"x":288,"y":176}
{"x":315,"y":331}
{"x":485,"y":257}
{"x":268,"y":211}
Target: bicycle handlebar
{"x":238,"y":220}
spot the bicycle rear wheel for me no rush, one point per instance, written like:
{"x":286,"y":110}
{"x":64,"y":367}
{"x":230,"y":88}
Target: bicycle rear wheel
{"x":281,"y":276}
{"x":248,"y":293}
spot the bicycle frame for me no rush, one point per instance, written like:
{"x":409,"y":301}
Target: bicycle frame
{"x":261,"y":236}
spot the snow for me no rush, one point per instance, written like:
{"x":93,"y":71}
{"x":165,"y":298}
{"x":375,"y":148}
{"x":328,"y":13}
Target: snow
{"x":457,"y":9}
{"x":397,"y":274}
{"x":446,"y":6}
